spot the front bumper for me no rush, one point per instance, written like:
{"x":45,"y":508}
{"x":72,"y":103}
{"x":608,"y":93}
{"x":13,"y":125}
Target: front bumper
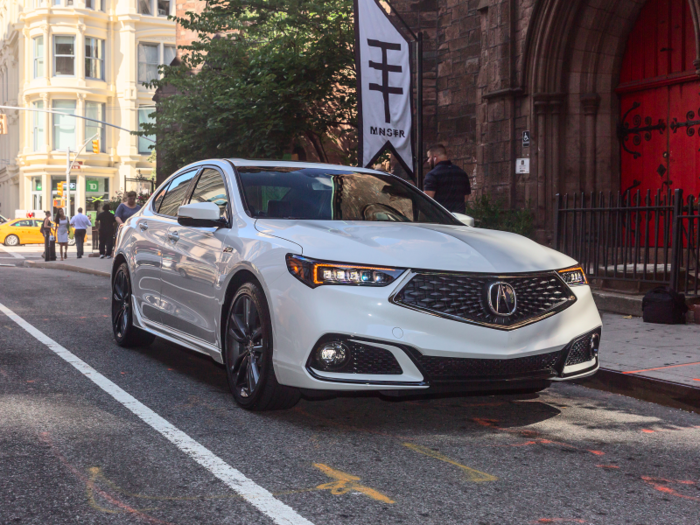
{"x":302,"y":317}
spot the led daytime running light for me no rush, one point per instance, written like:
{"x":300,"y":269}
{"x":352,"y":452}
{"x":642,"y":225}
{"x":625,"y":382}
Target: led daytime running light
{"x":318,"y":273}
{"x":574,"y":276}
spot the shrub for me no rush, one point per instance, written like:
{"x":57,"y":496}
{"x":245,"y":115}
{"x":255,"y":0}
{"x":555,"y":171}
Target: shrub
{"x":495,"y":215}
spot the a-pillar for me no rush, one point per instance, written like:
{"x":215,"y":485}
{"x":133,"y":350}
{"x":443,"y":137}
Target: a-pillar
{"x":590,"y":103}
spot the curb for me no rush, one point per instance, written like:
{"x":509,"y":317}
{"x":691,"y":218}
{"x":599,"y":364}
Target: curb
{"x":66,"y":267}
{"x":666,"y":393}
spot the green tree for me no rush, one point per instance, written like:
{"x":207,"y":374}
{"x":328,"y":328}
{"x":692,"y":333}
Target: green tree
{"x":261,"y":75}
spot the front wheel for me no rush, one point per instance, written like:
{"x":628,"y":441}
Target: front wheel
{"x":125,"y":333}
{"x":11,"y":240}
{"x":248,"y":354}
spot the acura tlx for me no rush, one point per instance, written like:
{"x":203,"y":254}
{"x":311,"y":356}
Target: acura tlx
{"x":303,"y":277}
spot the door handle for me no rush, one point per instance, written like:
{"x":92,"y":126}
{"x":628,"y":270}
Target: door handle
{"x":174,"y":237}
{"x":143,"y":226}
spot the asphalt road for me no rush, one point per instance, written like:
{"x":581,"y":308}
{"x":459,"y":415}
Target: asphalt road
{"x":71,"y":453}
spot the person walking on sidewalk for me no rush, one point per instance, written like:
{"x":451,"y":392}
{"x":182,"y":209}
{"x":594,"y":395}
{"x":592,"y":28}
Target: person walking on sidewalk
{"x":46,"y":232}
{"x":446,"y":183}
{"x":127,"y":209}
{"x":62,"y":225}
{"x":81,"y":223}
{"x":106,"y":223}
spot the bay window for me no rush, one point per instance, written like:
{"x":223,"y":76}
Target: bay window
{"x":64,"y":135}
{"x":64,"y":55}
{"x":38,"y":118}
{"x":94,"y":58}
{"x":96,"y":111}
{"x":38,"y":51}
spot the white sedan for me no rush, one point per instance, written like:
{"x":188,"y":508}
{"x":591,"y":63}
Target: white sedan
{"x":302,"y":278}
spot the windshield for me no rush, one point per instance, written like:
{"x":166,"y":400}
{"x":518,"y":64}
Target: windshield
{"x":330,"y":195}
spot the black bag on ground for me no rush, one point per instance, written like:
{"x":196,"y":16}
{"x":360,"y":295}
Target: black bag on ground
{"x":50,"y":254}
{"x":664,"y":305}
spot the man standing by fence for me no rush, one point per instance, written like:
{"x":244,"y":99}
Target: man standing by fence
{"x":446,"y":183}
{"x":81,"y":223}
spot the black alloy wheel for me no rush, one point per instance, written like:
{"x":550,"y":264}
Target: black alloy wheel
{"x":125,"y":333}
{"x":248,"y":354}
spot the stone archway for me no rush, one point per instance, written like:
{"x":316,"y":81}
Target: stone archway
{"x":568,"y":73}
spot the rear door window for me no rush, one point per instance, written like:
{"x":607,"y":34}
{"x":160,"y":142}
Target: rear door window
{"x":176,"y":192}
{"x":212,"y":188}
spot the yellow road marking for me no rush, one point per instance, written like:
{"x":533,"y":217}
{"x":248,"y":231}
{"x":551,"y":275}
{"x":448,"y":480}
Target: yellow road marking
{"x":472,"y":475}
{"x":346,"y":483}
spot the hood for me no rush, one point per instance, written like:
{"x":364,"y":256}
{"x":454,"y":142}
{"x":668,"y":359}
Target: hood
{"x":417,"y":246}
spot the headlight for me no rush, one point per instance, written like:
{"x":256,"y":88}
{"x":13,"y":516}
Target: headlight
{"x":574,"y":276}
{"x":315,"y":273}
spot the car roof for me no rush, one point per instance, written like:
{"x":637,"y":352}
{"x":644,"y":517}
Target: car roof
{"x":300,"y":165}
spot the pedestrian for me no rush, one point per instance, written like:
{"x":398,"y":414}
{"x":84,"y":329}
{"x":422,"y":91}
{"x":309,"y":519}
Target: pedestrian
{"x":127,"y":209}
{"x":106,"y":221}
{"x":446,"y":183}
{"x":81,"y":223}
{"x":62,"y":225}
{"x":46,"y":232}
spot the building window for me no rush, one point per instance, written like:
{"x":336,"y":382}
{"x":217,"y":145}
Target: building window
{"x":145,"y":7}
{"x":39,"y":137}
{"x":64,"y":126}
{"x":148,"y":62}
{"x":169,"y":54}
{"x":97,"y":111}
{"x":64,"y":55}
{"x":64,"y":3}
{"x":163,"y":7}
{"x":38,"y":49}
{"x":94,"y":58}
{"x":144,"y":117}
{"x":97,"y":5}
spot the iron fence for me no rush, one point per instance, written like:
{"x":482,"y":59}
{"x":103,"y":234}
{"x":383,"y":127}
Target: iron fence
{"x":650,"y":238}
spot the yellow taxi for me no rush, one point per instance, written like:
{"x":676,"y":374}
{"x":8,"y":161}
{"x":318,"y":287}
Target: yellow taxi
{"x":21,"y":231}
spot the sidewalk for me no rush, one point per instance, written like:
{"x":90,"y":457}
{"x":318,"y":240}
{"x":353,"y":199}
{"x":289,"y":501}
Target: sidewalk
{"x":91,"y":265}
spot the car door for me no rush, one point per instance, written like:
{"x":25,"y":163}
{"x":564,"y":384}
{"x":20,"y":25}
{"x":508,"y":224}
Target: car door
{"x":22,"y":230}
{"x":35,"y":234}
{"x":192,"y":284}
{"x":149,"y":241}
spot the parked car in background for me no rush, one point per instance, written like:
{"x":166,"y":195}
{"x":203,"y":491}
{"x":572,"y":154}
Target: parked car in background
{"x":21,"y":231}
{"x":311,"y":277}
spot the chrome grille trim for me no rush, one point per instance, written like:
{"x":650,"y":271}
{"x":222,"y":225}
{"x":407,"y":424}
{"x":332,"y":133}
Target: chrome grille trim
{"x":475,"y":310}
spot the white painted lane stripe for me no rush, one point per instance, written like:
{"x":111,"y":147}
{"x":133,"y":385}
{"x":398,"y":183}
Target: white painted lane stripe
{"x":260,"y":498}
{"x":15,"y":255}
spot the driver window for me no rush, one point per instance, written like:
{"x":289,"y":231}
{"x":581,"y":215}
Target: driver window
{"x":175,"y":193}
{"x":211,"y":188}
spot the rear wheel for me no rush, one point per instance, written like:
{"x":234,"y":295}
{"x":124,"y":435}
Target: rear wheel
{"x":125,"y":333}
{"x":11,"y":240}
{"x":248,"y":354}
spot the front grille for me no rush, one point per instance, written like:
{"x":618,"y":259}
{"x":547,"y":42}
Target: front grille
{"x":456,"y":369}
{"x":464,"y":297}
{"x":365,"y":359}
{"x":580,"y":351}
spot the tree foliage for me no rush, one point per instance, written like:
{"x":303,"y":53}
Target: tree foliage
{"x":261,"y":76}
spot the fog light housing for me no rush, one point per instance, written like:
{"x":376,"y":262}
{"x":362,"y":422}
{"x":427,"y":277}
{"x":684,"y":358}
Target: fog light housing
{"x":333,"y":355}
{"x":595,"y":341}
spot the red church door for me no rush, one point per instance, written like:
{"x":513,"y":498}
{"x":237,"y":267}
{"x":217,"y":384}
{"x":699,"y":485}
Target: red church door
{"x":659,"y":93}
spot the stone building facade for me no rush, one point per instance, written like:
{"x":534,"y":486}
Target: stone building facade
{"x":497,"y":68}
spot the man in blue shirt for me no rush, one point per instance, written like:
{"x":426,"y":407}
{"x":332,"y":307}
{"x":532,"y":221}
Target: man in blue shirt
{"x":81,"y":223}
{"x":446,"y":183}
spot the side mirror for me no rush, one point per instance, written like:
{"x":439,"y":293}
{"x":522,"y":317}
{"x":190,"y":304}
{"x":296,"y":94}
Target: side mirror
{"x":464,"y":219}
{"x":200,"y":215}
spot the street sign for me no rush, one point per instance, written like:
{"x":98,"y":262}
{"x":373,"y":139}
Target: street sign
{"x":526,"y":138}
{"x":522,"y":166}
{"x":78,"y":165}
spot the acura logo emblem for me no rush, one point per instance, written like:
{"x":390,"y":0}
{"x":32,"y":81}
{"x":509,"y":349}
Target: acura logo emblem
{"x":502,"y":300}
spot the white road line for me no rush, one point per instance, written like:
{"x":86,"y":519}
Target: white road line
{"x":15,"y":255}
{"x":260,"y":498}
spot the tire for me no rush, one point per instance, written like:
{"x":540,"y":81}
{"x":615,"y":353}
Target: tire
{"x":248,"y":354}
{"x":125,"y":333}
{"x":11,"y":240}
{"x":71,"y":242}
